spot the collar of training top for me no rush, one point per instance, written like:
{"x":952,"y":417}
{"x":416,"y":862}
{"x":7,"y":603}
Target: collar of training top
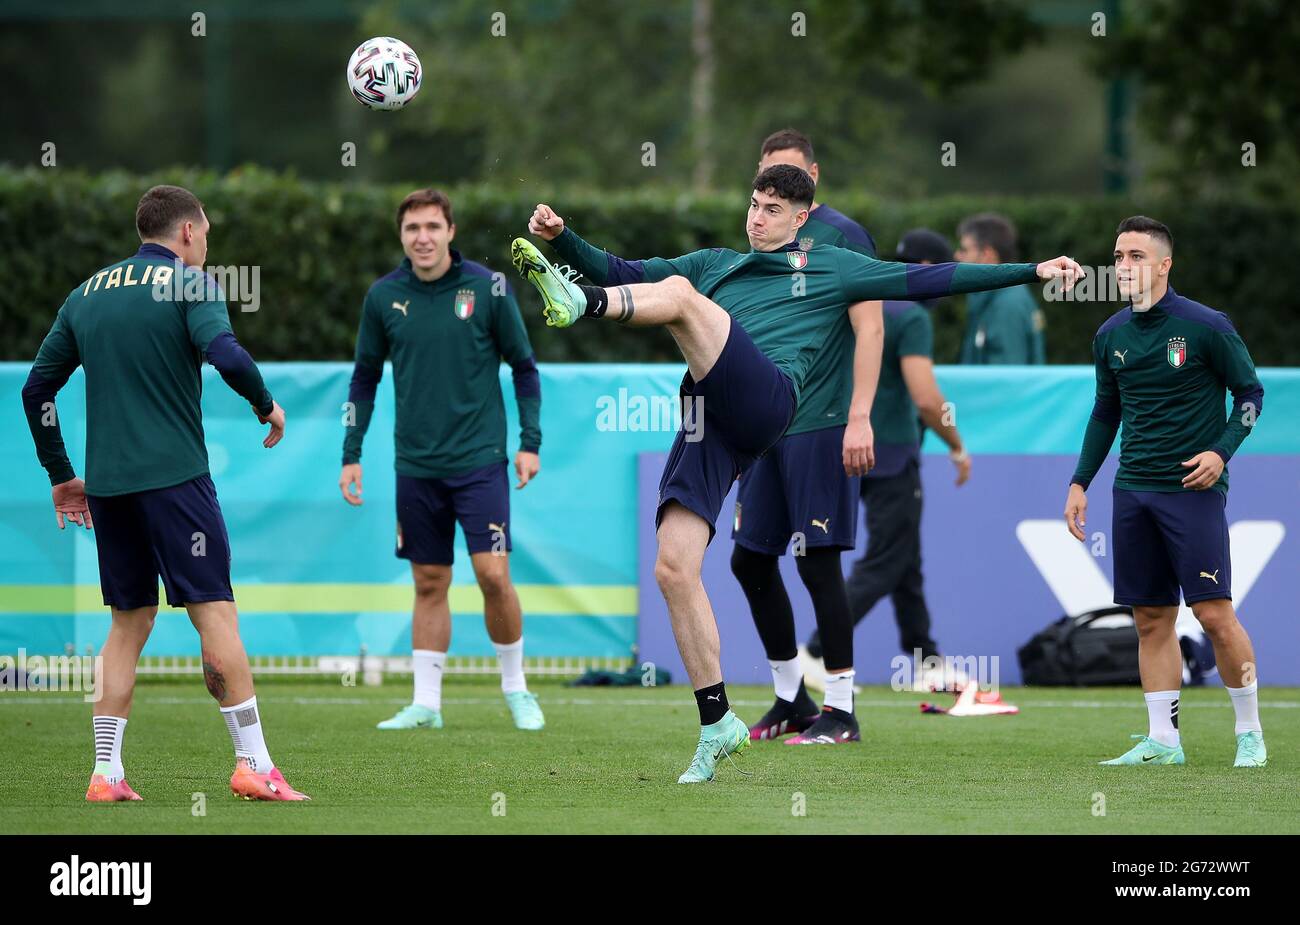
{"x":156,"y":250}
{"x":456,"y":261}
{"x":1160,"y":307}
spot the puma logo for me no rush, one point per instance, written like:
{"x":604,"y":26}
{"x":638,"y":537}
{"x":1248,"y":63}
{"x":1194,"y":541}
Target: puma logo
{"x":401,"y":306}
{"x":824,"y":524}
{"x":1121,"y":356}
{"x":1214,"y":578}
{"x":497,"y":529}
{"x":717,"y":697}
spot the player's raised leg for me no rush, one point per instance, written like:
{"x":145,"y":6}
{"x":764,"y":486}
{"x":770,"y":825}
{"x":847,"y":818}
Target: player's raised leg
{"x":699,"y":325}
{"x":229,"y":680}
{"x":1235,"y":657}
{"x":505,"y":626}
{"x":683,"y":537}
{"x":118,"y":659}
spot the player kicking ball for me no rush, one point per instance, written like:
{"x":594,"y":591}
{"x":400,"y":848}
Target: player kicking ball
{"x":1163,"y":364}
{"x":140,"y":333}
{"x":748,"y":325}
{"x":441,"y":321}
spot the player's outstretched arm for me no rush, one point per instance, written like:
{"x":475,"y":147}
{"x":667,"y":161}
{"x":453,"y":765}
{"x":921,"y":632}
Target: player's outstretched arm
{"x":599,"y":266}
{"x":865,"y":278}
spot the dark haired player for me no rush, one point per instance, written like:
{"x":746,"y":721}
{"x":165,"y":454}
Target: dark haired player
{"x":141,"y":334}
{"x":749,"y":330}
{"x":446,"y":324}
{"x":1163,"y":364}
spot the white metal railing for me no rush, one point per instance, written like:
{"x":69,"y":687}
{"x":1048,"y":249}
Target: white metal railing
{"x":367,"y":669}
{"x":372,"y":669}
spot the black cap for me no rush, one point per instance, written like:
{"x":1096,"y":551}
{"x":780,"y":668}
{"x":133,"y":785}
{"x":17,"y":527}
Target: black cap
{"x":922,"y":244}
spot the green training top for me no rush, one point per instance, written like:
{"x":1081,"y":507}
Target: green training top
{"x":141,"y":329}
{"x":446,"y":339}
{"x":908,"y":332}
{"x":829,"y":386}
{"x":1003,"y":327}
{"x":1162,"y":372}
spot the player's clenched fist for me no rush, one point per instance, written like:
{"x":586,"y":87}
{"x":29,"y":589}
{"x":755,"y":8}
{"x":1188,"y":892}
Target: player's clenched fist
{"x":1063,"y":268}
{"x":545,"y":223}
{"x":1076,"y":511}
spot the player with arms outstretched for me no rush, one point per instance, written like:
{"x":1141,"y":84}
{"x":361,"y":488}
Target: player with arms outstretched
{"x":141,"y":335}
{"x":748,"y":329}
{"x":806,"y":488}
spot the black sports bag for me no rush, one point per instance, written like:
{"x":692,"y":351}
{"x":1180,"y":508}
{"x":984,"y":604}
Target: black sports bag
{"x":1074,"y":652}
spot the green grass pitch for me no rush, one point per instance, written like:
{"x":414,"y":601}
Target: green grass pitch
{"x":609,"y":759}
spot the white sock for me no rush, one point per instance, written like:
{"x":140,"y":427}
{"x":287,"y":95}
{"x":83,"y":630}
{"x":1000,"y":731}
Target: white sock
{"x":511,"y":656}
{"x":245,"y":725}
{"x":786,"y":678}
{"x":108,"y":746}
{"x":429,"y":667}
{"x":1162,"y":717}
{"x":839,"y":691}
{"x":1245,"y":701}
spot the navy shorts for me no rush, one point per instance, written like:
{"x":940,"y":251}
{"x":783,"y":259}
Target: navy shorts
{"x":798,"y":486}
{"x":427,"y":511}
{"x":1164,"y":540}
{"x":175,"y":532}
{"x":729,"y":419}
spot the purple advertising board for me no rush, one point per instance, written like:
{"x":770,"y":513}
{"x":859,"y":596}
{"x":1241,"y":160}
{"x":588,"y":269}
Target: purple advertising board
{"x":999,"y":566}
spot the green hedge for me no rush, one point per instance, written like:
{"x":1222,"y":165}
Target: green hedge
{"x":319,"y":245}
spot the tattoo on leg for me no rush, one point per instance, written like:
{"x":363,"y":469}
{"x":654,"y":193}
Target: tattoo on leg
{"x":628,"y":308}
{"x":213,"y":678}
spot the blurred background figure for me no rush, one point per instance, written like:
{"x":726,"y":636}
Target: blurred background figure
{"x":1006,"y":326}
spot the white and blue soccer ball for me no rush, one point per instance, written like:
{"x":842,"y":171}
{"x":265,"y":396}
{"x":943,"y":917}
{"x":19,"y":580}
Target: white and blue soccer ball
{"x":384,"y":73}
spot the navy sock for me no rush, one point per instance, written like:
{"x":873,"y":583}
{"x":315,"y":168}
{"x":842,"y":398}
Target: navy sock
{"x":712,"y":702}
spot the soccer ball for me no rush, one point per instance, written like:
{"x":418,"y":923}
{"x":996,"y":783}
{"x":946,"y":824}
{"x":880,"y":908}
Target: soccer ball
{"x":384,"y":73}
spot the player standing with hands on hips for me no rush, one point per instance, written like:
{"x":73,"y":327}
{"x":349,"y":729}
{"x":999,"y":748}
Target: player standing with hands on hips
{"x":1162,"y":366}
{"x":446,"y":323}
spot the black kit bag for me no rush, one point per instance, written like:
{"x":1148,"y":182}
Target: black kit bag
{"x":1078,"y":652}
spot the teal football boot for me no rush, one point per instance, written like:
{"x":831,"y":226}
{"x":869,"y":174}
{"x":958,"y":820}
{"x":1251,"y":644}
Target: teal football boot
{"x":1251,"y":752}
{"x":523,"y":707}
{"x":413,"y":716}
{"x":1149,"y":751}
{"x":725,"y":737}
